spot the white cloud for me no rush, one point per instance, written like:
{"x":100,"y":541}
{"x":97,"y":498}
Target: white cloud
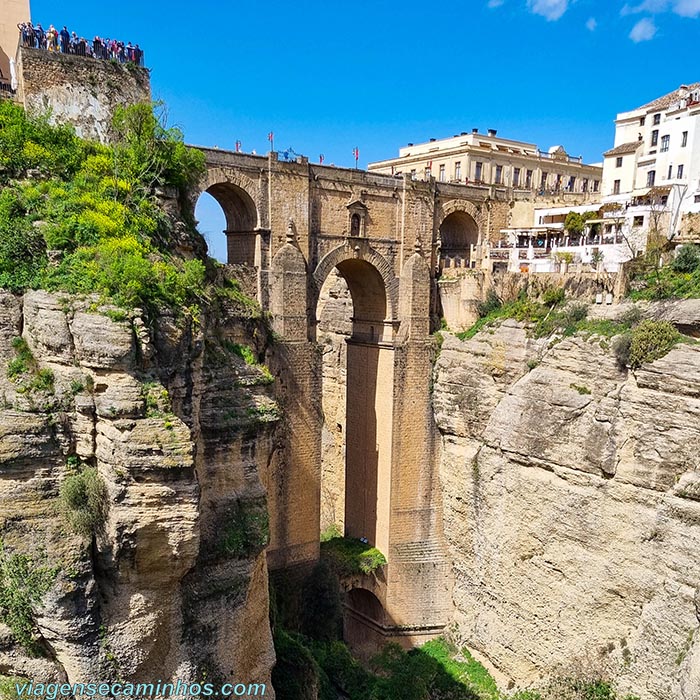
{"x":651,"y":6}
{"x":591,"y":24}
{"x":684,"y":8}
{"x":687,"y":8}
{"x":644,"y":30}
{"x":551,"y":10}
{"x":495,"y":3}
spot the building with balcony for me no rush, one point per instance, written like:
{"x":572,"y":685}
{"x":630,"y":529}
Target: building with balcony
{"x":487,"y":159}
{"x":651,"y":176}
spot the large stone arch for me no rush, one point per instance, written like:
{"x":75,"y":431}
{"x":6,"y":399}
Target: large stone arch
{"x":239,"y":198}
{"x":362,"y":252}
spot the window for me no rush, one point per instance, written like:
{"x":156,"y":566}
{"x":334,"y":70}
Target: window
{"x":516,"y":177}
{"x":697,"y":199}
{"x":684,"y":139}
{"x":657,"y":119}
{"x":458,"y":170}
{"x":499,"y":174}
{"x":572,"y":183}
{"x":442,"y":173}
{"x":651,"y":178}
{"x":478,"y":171}
{"x":413,"y":174}
{"x":680,"y":172}
{"x":355,"y":225}
{"x":665,"y":142}
{"x":616,"y":187}
{"x":654,"y":137}
{"x":670,"y":172}
{"x":638,"y":221}
{"x":642,"y":120}
{"x":428,"y":172}
{"x":528,"y":179}
{"x":618,"y":162}
{"x":585,"y":184}
{"x":595,"y":185}
{"x":543,"y":181}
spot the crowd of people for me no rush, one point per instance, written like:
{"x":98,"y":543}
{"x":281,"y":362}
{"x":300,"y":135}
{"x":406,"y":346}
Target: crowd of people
{"x":63,"y":41}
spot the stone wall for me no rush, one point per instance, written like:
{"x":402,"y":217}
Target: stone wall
{"x":572,"y":505}
{"x":78,"y":90}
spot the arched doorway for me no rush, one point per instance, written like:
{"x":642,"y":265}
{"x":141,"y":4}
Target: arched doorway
{"x":458,"y":233}
{"x":241,"y":219}
{"x":356,"y":338}
{"x":364,"y":621}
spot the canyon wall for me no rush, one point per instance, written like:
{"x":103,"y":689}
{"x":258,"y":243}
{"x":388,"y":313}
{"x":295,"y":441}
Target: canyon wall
{"x":572,"y":506}
{"x":171,"y":584}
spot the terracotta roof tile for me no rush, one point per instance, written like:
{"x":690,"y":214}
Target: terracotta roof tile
{"x":667,"y":100}
{"x":623,"y":148}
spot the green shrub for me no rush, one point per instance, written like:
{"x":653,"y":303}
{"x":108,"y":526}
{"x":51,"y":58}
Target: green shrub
{"x":245,"y":530}
{"x":490,"y":304}
{"x":23,"y":582}
{"x":24,"y":361}
{"x":295,"y":675}
{"x":687,"y":259}
{"x":553,"y":296}
{"x":651,"y":340}
{"x":83,"y":501}
{"x":321,"y":610}
{"x":96,"y":206}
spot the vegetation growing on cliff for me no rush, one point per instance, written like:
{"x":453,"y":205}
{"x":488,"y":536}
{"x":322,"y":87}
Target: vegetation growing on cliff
{"x":24,"y":580}
{"x":83,"y":501}
{"x":680,"y":279}
{"x":348,"y":556}
{"x":84,"y":218}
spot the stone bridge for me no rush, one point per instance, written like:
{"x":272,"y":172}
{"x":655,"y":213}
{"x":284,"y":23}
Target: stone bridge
{"x":293,"y":223}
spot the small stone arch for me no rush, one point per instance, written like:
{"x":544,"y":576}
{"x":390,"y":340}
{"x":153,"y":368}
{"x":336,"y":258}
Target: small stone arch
{"x":367,"y":254}
{"x":458,"y":230}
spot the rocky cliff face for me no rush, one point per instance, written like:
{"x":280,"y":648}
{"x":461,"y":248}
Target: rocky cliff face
{"x":173,"y":582}
{"x":572,"y":506}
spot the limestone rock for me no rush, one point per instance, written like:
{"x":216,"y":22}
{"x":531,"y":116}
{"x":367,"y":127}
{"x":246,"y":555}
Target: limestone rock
{"x":148,"y":410}
{"x":572,"y":507}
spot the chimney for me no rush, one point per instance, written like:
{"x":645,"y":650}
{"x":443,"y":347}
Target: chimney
{"x":492,"y":132}
{"x":475,"y":131}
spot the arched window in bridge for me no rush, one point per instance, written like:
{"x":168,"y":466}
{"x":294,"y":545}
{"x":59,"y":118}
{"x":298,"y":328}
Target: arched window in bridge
{"x":355,"y":225}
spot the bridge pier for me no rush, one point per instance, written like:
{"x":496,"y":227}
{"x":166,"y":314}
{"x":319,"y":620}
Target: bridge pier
{"x":364,"y":226}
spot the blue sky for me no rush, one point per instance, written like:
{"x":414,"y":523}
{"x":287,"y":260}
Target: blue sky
{"x":329,"y":76}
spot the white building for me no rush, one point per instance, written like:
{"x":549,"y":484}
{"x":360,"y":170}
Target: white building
{"x":652,"y":173}
{"x":651,"y":182}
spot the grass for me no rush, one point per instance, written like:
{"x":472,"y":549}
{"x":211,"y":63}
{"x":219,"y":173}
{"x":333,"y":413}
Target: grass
{"x":24,"y":370}
{"x":246,"y":353}
{"x":8,"y":687}
{"x":349,"y":556}
{"x":463,"y":668}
